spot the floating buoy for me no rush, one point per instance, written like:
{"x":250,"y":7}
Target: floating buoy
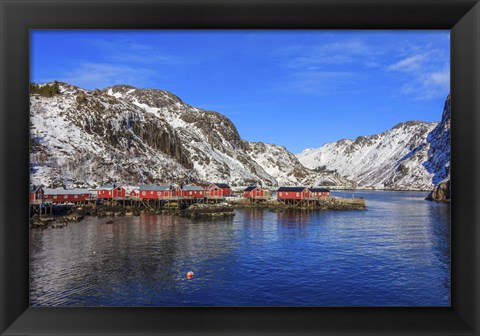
{"x":189,"y":275}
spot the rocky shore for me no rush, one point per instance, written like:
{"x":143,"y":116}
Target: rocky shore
{"x":441,"y":192}
{"x":66,"y":214}
{"x":330,"y":203}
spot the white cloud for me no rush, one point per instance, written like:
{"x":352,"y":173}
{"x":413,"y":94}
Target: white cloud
{"x":423,"y":74}
{"x":336,"y":53}
{"x":409,"y":64}
{"x":100,"y":75}
{"x":322,"y":82}
{"x":127,"y":51}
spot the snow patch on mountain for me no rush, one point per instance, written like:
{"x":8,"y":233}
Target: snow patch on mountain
{"x":413,"y":155}
{"x":128,"y":135}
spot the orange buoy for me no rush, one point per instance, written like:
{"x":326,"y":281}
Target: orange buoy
{"x":189,"y":275}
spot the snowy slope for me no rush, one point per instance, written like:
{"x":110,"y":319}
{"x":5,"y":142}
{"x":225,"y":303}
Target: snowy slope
{"x":279,"y":162}
{"x":411,"y":156}
{"x":132,"y":136}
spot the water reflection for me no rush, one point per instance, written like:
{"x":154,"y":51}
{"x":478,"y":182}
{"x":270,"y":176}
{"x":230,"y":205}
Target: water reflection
{"x":395,"y":253}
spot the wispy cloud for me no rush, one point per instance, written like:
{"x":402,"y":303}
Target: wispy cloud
{"x":320,"y":82}
{"x":429,"y":85}
{"x":335,"y":53}
{"x":409,"y":64}
{"x":424,"y":76}
{"x":324,"y":68}
{"x":100,"y":75}
{"x":126,"y":50}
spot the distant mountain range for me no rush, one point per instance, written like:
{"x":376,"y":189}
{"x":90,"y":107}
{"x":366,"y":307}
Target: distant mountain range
{"x":413,"y":155}
{"x":127,"y":135}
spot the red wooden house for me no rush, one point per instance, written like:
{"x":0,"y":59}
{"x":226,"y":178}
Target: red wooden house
{"x":159,"y":192}
{"x":218,"y":190}
{"x":319,"y":192}
{"x":36,"y":194}
{"x":131,"y":191}
{"x":111,"y":191}
{"x":293,"y":193}
{"x":254,"y":192}
{"x":60,"y":195}
{"x":193,"y":191}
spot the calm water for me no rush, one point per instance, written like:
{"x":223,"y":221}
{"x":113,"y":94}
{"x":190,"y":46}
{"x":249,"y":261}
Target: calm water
{"x":396,"y":253}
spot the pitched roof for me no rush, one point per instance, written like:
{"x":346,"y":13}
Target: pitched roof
{"x":291,"y":189}
{"x":34,"y":188}
{"x":155,"y":188}
{"x":191,"y":187}
{"x":250,"y":188}
{"x":60,"y":191}
{"x":221,"y":185}
{"x":129,"y":189}
{"x":319,"y":190}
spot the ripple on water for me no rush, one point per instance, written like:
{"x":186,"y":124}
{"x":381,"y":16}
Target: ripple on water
{"x":396,"y":253}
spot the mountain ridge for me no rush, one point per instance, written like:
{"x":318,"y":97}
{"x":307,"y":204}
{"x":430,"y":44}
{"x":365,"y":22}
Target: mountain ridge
{"x":122,"y":133}
{"x":412,"y":155}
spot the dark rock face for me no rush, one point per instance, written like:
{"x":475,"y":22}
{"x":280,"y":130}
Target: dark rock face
{"x":439,"y":156}
{"x":439,"y":153}
{"x":441,"y":193}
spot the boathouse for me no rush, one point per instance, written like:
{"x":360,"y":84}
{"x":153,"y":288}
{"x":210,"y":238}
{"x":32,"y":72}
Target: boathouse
{"x":132,"y":191}
{"x":254,"y":192}
{"x":319,"y":193}
{"x":218,"y":190}
{"x":293,"y":193}
{"x":111,"y":191}
{"x":159,"y":192}
{"x":193,"y":191}
{"x":36,"y":194}
{"x":60,"y":195}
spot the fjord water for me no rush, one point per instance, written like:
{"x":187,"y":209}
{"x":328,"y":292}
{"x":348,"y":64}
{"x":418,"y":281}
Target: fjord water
{"x":395,"y":253}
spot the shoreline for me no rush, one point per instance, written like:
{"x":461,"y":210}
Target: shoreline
{"x":75,"y":213}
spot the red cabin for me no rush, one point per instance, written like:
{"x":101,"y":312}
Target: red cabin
{"x":218,"y":190}
{"x":159,"y":192}
{"x":111,"y":191}
{"x":66,"y":195}
{"x":193,"y":191}
{"x":131,"y":191}
{"x":293,"y":193}
{"x":319,"y":192}
{"x":254,"y":192}
{"x":36,"y":194}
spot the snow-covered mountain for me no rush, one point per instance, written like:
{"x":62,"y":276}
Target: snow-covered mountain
{"x":412,"y":155}
{"x":130,"y":135}
{"x":279,"y":162}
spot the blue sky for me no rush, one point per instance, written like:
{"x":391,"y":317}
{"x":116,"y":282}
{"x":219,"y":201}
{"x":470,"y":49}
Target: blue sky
{"x":299,"y":89}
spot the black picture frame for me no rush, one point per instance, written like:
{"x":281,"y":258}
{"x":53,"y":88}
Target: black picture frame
{"x":17,"y":17}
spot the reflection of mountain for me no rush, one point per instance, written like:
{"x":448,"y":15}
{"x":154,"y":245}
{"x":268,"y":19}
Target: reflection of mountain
{"x":412,"y":155}
{"x":130,"y":135}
